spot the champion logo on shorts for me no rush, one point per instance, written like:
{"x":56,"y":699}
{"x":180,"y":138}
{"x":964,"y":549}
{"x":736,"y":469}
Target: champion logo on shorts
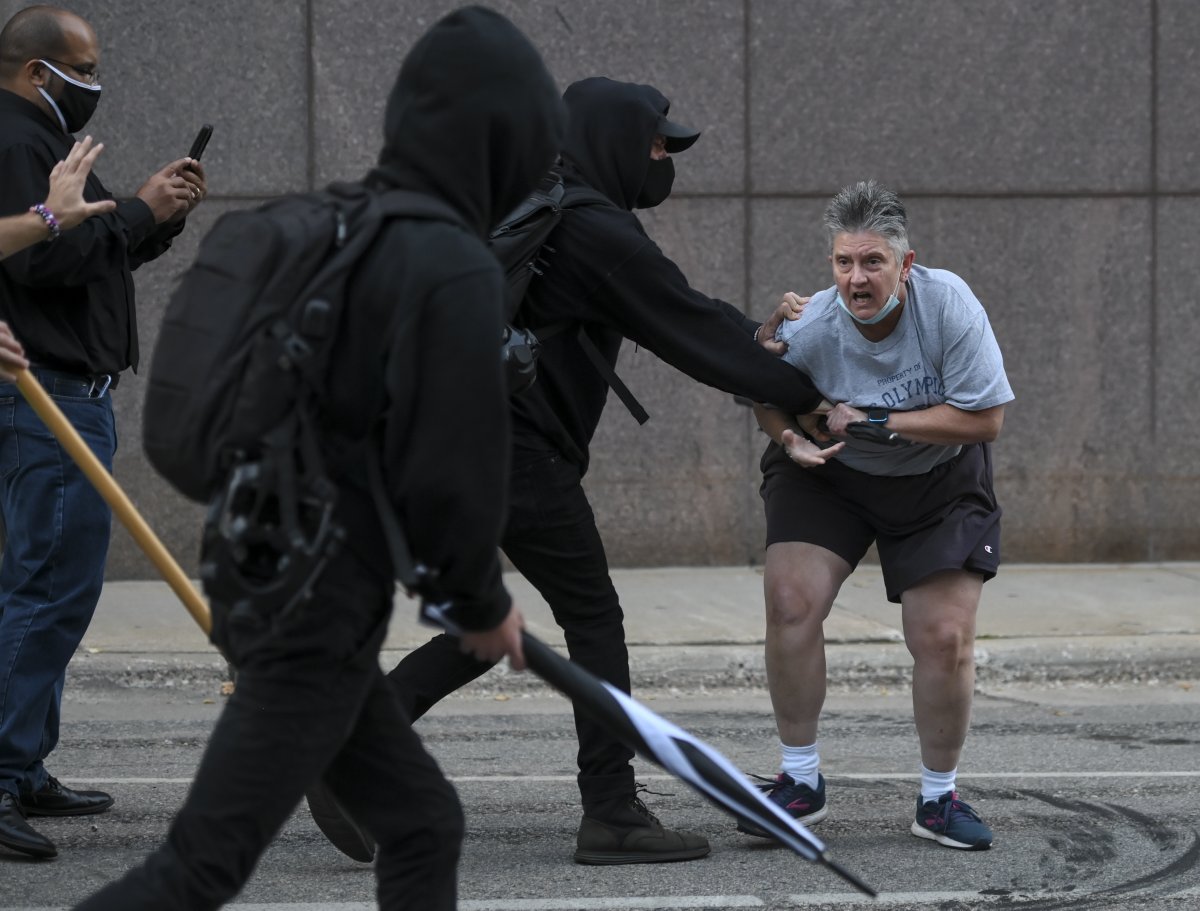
{"x":988,"y":548}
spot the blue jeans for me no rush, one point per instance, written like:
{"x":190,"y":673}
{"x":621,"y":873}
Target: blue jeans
{"x":52,"y":569}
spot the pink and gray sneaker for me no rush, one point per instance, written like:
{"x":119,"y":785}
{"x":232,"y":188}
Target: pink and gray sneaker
{"x":798,"y":800}
{"x":951,"y":822}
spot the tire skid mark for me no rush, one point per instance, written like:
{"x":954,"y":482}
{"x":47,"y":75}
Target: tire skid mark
{"x":1184,"y":863}
{"x":1162,"y":882}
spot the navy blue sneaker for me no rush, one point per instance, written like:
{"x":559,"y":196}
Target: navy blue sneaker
{"x":800,"y":802}
{"x":952,"y":823}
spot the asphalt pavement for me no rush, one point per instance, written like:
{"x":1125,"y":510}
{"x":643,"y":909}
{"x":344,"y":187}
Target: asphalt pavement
{"x":701,"y":628}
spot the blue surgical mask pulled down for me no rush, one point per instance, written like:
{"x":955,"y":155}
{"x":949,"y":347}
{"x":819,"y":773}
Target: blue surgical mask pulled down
{"x":892,"y":303}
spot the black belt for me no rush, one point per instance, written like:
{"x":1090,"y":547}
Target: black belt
{"x":79,"y":385}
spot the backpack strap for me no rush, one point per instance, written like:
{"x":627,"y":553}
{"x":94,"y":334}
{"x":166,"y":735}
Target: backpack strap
{"x":411,"y":204}
{"x":574,"y":197}
{"x":610,"y":376}
{"x":583,"y":196}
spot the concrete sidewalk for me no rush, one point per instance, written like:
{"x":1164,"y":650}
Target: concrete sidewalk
{"x":702,"y":627}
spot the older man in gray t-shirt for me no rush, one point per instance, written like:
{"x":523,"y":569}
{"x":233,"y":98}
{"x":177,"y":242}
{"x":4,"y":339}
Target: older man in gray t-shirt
{"x":942,"y":351}
{"x":909,"y":350}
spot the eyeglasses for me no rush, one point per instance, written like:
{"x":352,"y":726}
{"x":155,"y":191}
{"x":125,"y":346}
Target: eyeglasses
{"x":86,"y":72}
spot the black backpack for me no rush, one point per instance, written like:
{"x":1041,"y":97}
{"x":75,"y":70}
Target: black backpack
{"x":245,"y":340}
{"x":235,"y":385}
{"x":521,"y":244}
{"x":239,"y":371}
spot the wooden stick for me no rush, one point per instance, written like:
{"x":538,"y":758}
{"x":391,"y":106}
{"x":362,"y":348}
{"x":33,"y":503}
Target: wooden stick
{"x":108,"y":488}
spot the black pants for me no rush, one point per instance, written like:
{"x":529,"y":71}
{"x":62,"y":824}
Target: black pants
{"x":552,"y":540}
{"x":310,"y":698}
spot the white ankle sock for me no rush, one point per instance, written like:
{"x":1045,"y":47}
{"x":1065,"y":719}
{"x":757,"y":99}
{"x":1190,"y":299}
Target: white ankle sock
{"x":802,"y":763}
{"x":935,"y":784}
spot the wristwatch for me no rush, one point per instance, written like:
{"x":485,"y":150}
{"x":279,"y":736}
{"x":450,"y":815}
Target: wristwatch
{"x":877,"y":415}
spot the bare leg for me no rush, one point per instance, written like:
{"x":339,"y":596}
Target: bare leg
{"x":800,"y":582}
{"x":939,"y":629}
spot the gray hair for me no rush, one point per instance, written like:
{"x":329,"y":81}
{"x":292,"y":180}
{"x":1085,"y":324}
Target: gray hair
{"x":866,"y":206}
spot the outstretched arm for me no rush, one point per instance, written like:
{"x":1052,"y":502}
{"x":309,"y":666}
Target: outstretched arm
{"x":64,"y":207}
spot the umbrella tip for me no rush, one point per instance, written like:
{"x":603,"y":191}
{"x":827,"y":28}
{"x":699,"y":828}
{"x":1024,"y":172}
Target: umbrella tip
{"x":845,"y":874}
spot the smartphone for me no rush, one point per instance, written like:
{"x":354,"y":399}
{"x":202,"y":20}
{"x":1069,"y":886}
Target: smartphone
{"x":201,"y":141}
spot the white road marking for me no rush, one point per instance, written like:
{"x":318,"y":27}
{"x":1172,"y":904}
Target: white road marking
{"x":855,"y":776}
{"x":680,"y":902}
{"x":616,"y":903}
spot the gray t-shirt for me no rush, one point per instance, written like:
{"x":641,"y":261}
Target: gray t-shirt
{"x":942,"y":351}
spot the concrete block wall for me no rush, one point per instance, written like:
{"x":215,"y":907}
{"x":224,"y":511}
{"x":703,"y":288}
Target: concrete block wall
{"x":1047,"y":151}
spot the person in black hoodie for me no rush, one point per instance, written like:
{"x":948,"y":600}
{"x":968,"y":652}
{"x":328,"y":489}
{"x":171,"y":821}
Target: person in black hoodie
{"x":474,"y":119}
{"x":608,"y":277}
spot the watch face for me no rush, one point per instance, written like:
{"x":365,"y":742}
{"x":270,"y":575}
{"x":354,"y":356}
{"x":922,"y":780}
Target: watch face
{"x":877,"y":415}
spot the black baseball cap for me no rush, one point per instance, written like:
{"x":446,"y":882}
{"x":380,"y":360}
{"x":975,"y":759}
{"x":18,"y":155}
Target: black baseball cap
{"x":679,"y":138}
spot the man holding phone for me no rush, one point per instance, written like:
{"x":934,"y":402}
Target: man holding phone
{"x":70,"y":301}
{"x":200,"y":143}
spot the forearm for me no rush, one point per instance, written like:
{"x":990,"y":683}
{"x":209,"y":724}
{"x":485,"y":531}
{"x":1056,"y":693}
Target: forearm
{"x":743,"y":322}
{"x":94,"y":249}
{"x":774,"y":422}
{"x":156,"y":243}
{"x":946,"y":425}
{"x":20,"y":231}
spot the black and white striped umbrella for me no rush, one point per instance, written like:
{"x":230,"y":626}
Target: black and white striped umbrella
{"x":669,"y":746}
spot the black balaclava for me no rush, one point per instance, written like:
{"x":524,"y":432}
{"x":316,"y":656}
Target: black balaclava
{"x":611,"y":128}
{"x":660,"y":177}
{"x":474,"y":117}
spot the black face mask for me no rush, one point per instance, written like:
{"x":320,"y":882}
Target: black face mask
{"x":76,"y":103}
{"x":657,"y":187}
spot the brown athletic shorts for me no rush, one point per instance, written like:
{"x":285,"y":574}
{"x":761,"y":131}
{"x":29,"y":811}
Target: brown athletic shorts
{"x":921,"y":524}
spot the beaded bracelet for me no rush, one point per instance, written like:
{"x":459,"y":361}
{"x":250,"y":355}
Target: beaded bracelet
{"x":48,"y":217}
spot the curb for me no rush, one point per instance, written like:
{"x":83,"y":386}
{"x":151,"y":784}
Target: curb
{"x":1091,"y":659}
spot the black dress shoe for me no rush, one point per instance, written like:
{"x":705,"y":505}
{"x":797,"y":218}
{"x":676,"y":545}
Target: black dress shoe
{"x":19,"y":835}
{"x":55,"y":800}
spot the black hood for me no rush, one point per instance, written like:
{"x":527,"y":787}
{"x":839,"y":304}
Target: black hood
{"x":474,"y":117}
{"x":609,"y":134}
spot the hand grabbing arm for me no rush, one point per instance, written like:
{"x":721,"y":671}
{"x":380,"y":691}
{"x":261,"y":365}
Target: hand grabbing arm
{"x":791,"y":305}
{"x":784,"y":430}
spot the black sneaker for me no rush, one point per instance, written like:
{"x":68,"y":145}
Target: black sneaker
{"x":952,"y":823}
{"x":800,"y":801}
{"x":628,"y":833}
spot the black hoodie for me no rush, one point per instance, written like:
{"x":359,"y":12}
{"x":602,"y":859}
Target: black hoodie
{"x":474,"y":119}
{"x":609,"y":276}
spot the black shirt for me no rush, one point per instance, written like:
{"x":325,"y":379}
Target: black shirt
{"x":608,"y":276}
{"x":70,"y":302}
